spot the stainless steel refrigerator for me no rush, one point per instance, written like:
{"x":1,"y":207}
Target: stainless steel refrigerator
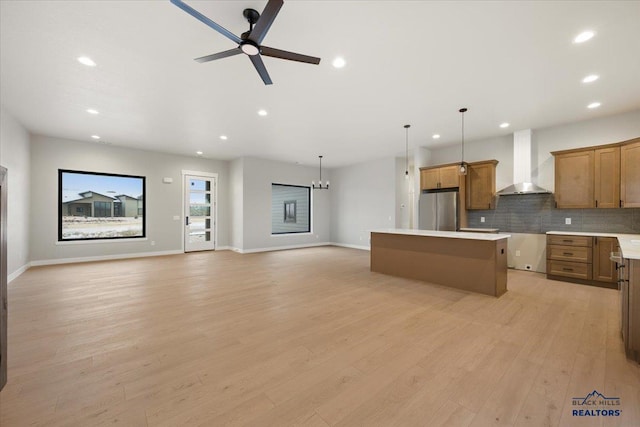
{"x":438,"y":210}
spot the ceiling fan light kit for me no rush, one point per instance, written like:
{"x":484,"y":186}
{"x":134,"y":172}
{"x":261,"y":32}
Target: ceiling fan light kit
{"x":249,"y":42}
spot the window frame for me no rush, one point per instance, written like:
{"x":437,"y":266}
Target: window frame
{"x":143,"y":179}
{"x":309,"y":216}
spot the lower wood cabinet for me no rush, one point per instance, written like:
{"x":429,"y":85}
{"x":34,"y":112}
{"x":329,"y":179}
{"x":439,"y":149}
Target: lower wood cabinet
{"x":582,"y":259}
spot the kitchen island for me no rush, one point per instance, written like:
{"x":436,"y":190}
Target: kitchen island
{"x":474,"y":262}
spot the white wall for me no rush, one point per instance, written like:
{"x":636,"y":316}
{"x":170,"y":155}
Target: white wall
{"x":363,"y":198}
{"x":258,"y":175}
{"x":14,"y":155}
{"x":236,"y":197}
{"x":404,"y":185}
{"x":163,"y":201}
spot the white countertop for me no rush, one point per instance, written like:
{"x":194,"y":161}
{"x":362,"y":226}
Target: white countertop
{"x":447,"y":234}
{"x":629,"y":243}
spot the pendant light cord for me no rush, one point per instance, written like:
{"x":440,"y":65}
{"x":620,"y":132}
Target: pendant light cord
{"x":407,"y":149}
{"x":462,"y":110}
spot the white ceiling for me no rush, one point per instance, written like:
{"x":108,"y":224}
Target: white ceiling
{"x":407,"y":62}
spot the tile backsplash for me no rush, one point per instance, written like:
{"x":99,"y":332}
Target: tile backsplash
{"x":535,"y":214}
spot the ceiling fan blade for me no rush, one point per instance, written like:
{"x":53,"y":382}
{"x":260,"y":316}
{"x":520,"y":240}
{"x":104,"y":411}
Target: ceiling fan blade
{"x":191,"y":11}
{"x":260,"y":68}
{"x":283,"y":54}
{"x":219,"y":55}
{"x":266,"y":19}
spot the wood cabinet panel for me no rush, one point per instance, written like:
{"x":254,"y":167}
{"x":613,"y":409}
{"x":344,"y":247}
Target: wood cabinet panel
{"x":481,"y":185}
{"x":574,"y":270}
{"x":429,"y":179}
{"x":630,"y":175}
{"x":557,"y":239}
{"x":574,"y":179}
{"x":604,"y":270}
{"x":607,"y":177}
{"x":570,"y":253}
{"x":449,"y":177}
{"x":439,"y":177}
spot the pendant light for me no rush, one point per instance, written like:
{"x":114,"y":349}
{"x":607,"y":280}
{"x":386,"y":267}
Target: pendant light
{"x":406,"y":171}
{"x":320,"y":186}
{"x":462,"y":170}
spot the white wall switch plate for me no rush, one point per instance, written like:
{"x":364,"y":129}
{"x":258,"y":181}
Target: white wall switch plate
{"x":176,"y":217}
{"x":567,"y":221}
{"x":481,"y":219}
{"x":167,"y":180}
{"x":517,"y":253}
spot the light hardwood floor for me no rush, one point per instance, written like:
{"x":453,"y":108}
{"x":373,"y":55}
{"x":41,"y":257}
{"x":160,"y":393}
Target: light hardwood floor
{"x":304,"y":337}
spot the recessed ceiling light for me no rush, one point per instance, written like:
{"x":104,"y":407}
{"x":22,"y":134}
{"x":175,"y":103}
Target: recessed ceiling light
{"x":584,"y":36}
{"x":339,"y":62}
{"x":223,"y":137}
{"x":95,"y":137}
{"x":262,"y":112}
{"x":199,"y":153}
{"x":92,"y":111}
{"x":504,"y":125}
{"x":436,"y":136}
{"x":590,"y":78}
{"x":85,"y":60}
{"x":594,"y":105}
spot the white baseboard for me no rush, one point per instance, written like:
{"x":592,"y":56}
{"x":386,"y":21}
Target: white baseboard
{"x":102,"y":258}
{"x":345,"y":245}
{"x":18,"y":272}
{"x":280,"y":248}
{"x":224,"y":248}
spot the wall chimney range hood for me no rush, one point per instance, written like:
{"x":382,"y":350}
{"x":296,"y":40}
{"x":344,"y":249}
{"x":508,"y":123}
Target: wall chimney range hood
{"x":522,"y":167}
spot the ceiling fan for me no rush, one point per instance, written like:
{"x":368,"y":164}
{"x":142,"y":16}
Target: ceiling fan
{"x":249,"y":42}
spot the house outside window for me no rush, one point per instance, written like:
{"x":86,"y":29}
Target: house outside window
{"x":290,"y":209}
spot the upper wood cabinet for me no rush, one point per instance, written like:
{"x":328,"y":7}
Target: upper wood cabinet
{"x":574,"y":179}
{"x":436,"y":177}
{"x":607,"y":177}
{"x":630,"y":174}
{"x":481,"y":185}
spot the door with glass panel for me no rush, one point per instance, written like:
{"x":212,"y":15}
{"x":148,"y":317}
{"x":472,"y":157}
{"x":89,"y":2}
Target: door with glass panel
{"x":200,"y":195}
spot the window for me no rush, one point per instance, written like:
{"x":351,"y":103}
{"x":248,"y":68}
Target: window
{"x":94,"y":205}
{"x":290,"y":209}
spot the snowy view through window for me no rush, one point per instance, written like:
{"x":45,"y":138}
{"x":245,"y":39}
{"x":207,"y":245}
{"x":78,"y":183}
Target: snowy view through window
{"x":100,"y":206}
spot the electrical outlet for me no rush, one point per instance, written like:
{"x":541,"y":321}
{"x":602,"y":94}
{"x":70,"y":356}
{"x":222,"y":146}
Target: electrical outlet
{"x":517,"y":253}
{"x":481,"y":219}
{"x":153,"y":243}
{"x":176,"y":217}
{"x":567,"y":221}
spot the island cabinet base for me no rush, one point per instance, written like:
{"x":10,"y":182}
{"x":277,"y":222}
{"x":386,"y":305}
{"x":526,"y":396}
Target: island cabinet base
{"x":471,"y":265}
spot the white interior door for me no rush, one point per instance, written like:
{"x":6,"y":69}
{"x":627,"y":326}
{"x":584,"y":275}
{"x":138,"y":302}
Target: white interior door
{"x":199,"y":212}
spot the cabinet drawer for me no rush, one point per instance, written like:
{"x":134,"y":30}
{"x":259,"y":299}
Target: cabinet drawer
{"x":569,"y":240}
{"x":569,"y":253}
{"x":576,"y":270}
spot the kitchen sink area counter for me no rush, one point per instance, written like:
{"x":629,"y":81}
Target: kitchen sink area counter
{"x":469,"y":261}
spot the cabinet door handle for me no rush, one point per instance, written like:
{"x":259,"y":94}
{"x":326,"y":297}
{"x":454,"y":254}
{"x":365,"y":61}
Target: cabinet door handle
{"x":596,"y":203}
{"x":567,"y":253}
{"x":568,"y":241}
{"x":567,"y":269}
